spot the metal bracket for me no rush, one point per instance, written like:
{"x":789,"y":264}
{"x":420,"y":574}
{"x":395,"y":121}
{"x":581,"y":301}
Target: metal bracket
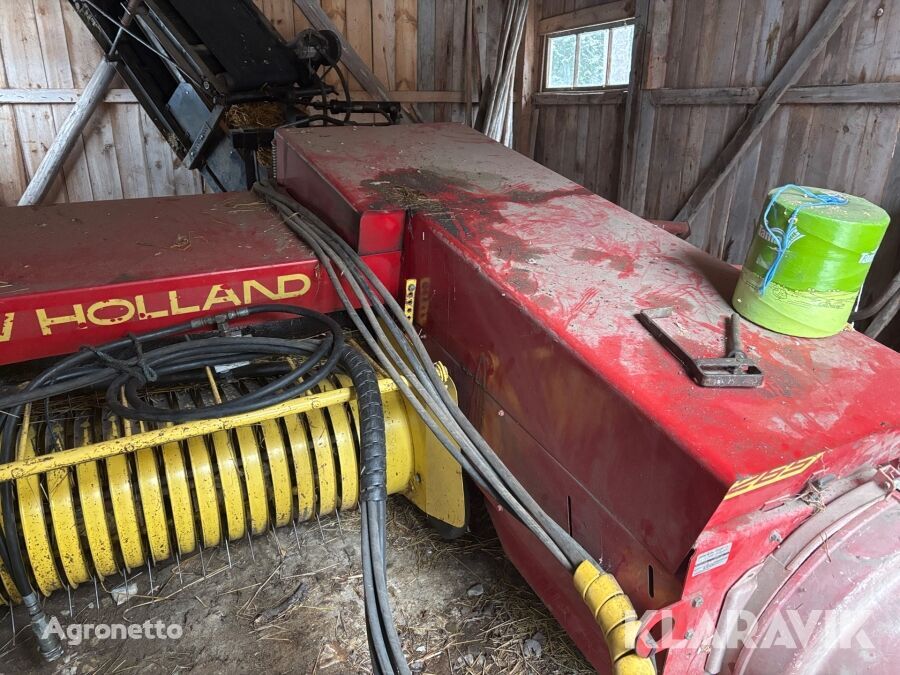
{"x":734,"y":370}
{"x":195,"y":154}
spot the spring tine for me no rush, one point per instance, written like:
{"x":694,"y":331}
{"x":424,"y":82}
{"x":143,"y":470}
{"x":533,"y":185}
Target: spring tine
{"x":227,"y":551}
{"x":250,"y":541}
{"x":202,"y":561}
{"x":321,"y":531}
{"x":178,"y":567}
{"x":71,"y":607}
{"x":96,"y":596}
{"x":125,"y":574}
{"x":337,"y":514}
{"x":277,"y":541}
{"x":150,"y":575}
{"x":296,"y":537}
{"x":12,"y":620}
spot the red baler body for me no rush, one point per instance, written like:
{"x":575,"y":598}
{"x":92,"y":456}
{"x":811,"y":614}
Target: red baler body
{"x":528,"y":288}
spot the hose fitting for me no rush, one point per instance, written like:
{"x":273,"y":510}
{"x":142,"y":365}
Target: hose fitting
{"x":48,"y":642}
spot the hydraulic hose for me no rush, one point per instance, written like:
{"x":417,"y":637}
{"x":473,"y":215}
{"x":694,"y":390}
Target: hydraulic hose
{"x":382,"y":633}
{"x":385,"y":329}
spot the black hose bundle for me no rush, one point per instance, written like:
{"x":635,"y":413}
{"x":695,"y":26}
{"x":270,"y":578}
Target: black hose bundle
{"x":399,"y":350}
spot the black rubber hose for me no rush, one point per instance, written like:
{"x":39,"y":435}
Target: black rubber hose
{"x":132,"y":373}
{"x":487,"y":466}
{"x":387,"y":653}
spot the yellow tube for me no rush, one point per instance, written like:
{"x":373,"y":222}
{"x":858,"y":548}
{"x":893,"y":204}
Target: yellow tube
{"x":614,"y":613}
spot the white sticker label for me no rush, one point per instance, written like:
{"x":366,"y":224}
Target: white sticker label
{"x":711,"y":559}
{"x":866,"y":258}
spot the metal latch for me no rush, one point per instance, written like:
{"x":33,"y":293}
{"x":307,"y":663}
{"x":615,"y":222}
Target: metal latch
{"x":736,"y":369}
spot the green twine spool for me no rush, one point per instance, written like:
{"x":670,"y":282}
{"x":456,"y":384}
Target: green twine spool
{"x":824,"y":259}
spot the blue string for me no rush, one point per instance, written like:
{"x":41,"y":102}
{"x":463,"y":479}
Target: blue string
{"x":783,"y":240}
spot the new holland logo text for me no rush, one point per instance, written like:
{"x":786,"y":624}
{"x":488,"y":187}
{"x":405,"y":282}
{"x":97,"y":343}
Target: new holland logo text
{"x":142,"y":307}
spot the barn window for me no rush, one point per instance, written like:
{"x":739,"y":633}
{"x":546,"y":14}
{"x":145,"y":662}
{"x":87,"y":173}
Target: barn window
{"x":590,"y":58}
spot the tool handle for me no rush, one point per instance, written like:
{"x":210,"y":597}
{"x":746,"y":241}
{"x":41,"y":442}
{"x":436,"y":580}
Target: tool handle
{"x":735,"y":348}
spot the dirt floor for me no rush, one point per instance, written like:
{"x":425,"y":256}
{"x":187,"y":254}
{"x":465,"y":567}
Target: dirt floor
{"x":291,"y":602}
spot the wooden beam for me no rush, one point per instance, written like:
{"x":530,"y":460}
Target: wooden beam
{"x":648,"y":71}
{"x":40,"y":96}
{"x":550,"y":98}
{"x":812,"y":43}
{"x":589,"y":16}
{"x":528,"y":78}
{"x":883,"y":93}
{"x":403,"y":96}
{"x":707,"y":96}
{"x":319,"y":20}
{"x":870,"y":92}
{"x":44,"y":96}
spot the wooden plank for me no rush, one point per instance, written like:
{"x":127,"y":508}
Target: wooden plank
{"x":425,"y":12}
{"x":13,"y":180}
{"x":57,"y":96}
{"x":665,"y":123}
{"x":881,"y":93}
{"x":874,"y":157}
{"x":607,"y":97}
{"x":634,"y":99}
{"x":831,"y":17}
{"x":359,"y":35}
{"x":100,"y":148}
{"x":405,"y":50}
{"x":98,"y":138}
{"x":443,"y":54}
{"x":126,"y":123}
{"x":23,"y":62}
{"x":529,"y":78}
{"x":49,"y":18}
{"x":384,"y":23}
{"x":160,"y":159}
{"x":696,"y":136}
{"x":718,"y":123}
{"x":871,"y":92}
{"x":281,"y":15}
{"x":579,"y":148}
{"x":618,"y":10}
{"x":416,"y":96}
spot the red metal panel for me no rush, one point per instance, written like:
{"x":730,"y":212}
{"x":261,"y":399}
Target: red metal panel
{"x":80,"y":274}
{"x":531,"y":285}
{"x":369,"y":230}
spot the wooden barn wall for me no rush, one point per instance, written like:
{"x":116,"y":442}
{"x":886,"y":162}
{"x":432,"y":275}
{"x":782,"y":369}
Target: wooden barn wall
{"x":849,"y":147}
{"x":47,"y":56}
{"x":581,"y":140}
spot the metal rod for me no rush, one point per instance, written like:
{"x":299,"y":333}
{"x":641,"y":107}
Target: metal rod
{"x":115,"y":446}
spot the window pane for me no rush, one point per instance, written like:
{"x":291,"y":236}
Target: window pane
{"x":561,"y":66}
{"x":620,"y":68}
{"x":592,"y":59}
